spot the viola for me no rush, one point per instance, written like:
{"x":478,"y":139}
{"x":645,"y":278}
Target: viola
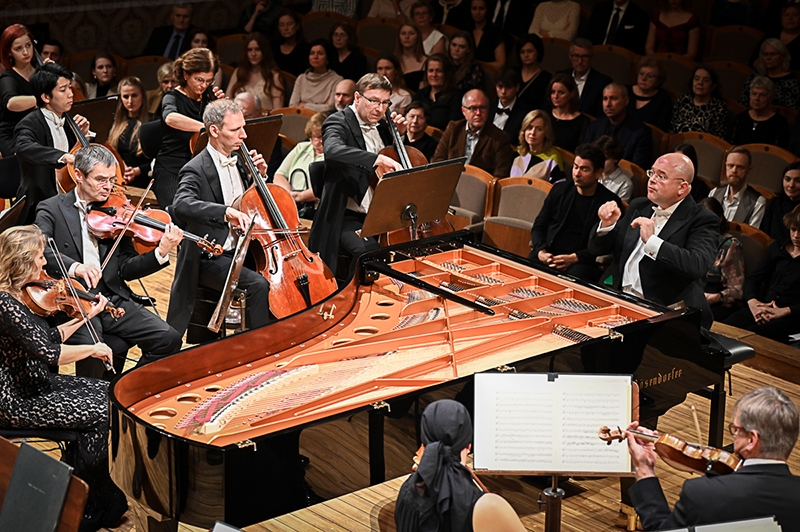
{"x":146,"y":226}
{"x":47,"y":296}
{"x":297,"y":278}
{"x":680,"y":454}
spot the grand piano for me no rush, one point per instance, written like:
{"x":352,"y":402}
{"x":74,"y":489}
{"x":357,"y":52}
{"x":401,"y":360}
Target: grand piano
{"x":204,"y":435}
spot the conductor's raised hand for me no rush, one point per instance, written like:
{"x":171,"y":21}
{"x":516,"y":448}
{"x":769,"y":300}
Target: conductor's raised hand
{"x":647,"y":227}
{"x":259,"y":161}
{"x":608,"y":213}
{"x":388,"y":162}
{"x":401,"y":122}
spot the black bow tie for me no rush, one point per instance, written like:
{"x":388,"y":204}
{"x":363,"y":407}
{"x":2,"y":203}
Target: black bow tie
{"x":505,"y":111}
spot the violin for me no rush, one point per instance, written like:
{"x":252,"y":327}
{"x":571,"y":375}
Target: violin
{"x":47,"y":295}
{"x":297,"y":278}
{"x":146,"y":227}
{"x":418,"y":459}
{"x":680,"y":454}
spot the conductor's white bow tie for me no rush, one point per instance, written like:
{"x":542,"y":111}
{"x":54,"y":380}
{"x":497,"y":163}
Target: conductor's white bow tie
{"x":658,"y":212}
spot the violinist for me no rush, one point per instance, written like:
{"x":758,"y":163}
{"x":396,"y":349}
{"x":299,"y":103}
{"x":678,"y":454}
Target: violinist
{"x":43,"y":139}
{"x":352,"y":139}
{"x":64,"y":219}
{"x":32,"y":397}
{"x":209,"y":184}
{"x":765,"y":429}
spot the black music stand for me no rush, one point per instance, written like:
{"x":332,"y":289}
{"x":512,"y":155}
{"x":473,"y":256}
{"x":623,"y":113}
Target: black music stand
{"x":410,"y":197}
{"x":100,"y":114}
{"x":11,"y":215}
{"x":262,"y":134}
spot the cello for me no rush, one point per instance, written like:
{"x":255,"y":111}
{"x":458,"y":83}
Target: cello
{"x":297,"y":278}
{"x":66,"y":176}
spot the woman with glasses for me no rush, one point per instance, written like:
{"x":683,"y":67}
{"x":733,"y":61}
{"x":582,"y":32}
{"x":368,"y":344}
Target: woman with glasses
{"x":760,"y":124}
{"x":703,"y":110}
{"x":433,"y":40}
{"x":649,"y":102}
{"x":293,"y":174}
{"x":182,"y":116}
{"x":200,"y":38}
{"x":347,"y":60}
{"x":439,"y":94}
{"x":775,"y":62}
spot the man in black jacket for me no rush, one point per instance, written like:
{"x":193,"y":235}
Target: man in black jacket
{"x":590,"y":82}
{"x":167,"y":41}
{"x":560,"y":234}
{"x":621,"y":23}
{"x":509,"y":111}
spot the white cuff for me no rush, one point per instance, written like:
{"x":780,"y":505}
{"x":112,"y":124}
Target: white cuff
{"x":604,"y":230}
{"x":161,"y":260}
{"x":652,"y":246}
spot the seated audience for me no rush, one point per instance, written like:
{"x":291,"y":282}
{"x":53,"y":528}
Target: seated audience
{"x":417,"y":116}
{"x":475,"y":137}
{"x":621,"y":23}
{"x":315,"y":89}
{"x":440,"y":494}
{"x":538,"y":157}
{"x":200,"y":38}
{"x":760,"y":124}
{"x":725,"y":279}
{"x":345,"y":94}
{"x":348,"y":8}
{"x":469,"y":74}
{"x":614,"y":178}
{"x":250,"y":104}
{"x":772,"y":291}
{"x":589,"y":81}
{"x":489,"y":44}
{"x":388,"y":65}
{"x":166,"y":82}
{"x":389,"y":9}
{"x":104,"y":76}
{"x":765,"y":428}
{"x":700,"y":189}
{"x":16,"y":54}
{"x":168,"y":40}
{"x":786,"y":31}
{"x":559,"y":19}
{"x":411,"y":54}
{"x":649,"y":102}
{"x":257,"y":73}
{"x":774,"y":63}
{"x":534,"y":79}
{"x":569,"y":124}
{"x":740,"y":202}
{"x":634,"y":136}
{"x":433,"y":40}
{"x":510,"y":110}
{"x":560,"y":234}
{"x":673,"y":30}
{"x":703,"y":110}
{"x":293,"y":174}
{"x":289,"y":49}
{"x":782,"y":204}
{"x":347,"y":60}
{"x":440,"y":95}
{"x":124,"y":136}
{"x":260,"y":16}
{"x":51,"y":49}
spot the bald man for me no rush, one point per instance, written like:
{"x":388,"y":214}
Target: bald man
{"x":665,"y":243}
{"x":344,"y":94}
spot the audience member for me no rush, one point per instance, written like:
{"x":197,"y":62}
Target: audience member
{"x":510,"y":110}
{"x":345,"y":93}
{"x":764,"y":429}
{"x":389,"y":9}
{"x":411,"y":54}
{"x":316,"y":87}
{"x":104,"y":76}
{"x":700,"y":189}
{"x":675,"y":239}
{"x":293,"y":174}
{"x":433,"y":40}
{"x":16,"y":54}
{"x":417,"y":116}
{"x":200,"y":38}
{"x":673,"y":30}
{"x":168,"y":40}
{"x":489,"y":44}
{"x":289,"y":49}
{"x":52,"y":49}
{"x":649,"y":102}
{"x":732,"y":13}
{"x":250,"y":104}
{"x":257,"y":73}
{"x":558,"y":19}
{"x":440,"y":95}
{"x":455,"y":13}
{"x":725,"y":278}
{"x":760,"y":124}
{"x":775,"y":62}
{"x":348,"y":8}
{"x":631,"y":132}
{"x":569,"y":124}
{"x":475,"y":138}
{"x":124,"y":136}
{"x":166,"y":82}
{"x":787,"y":32}
{"x":347,"y":60}
{"x":260,"y":16}
{"x":534,"y":79}
{"x":560,"y":234}
{"x":512,"y":18}
{"x":388,"y":65}
{"x":621,"y":23}
{"x":614,"y":178}
{"x":590,"y":82}
{"x":538,"y":156}
{"x":782,"y":204}
{"x":469,"y":74}
{"x":741,"y":202}
{"x":703,"y":110}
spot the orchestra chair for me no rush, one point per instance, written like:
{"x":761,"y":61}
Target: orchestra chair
{"x":150,"y":135}
{"x":639,"y":178}
{"x":732,"y":77}
{"x":204,"y":305}
{"x":472,"y":199}
{"x":145,"y":68}
{"x":286,"y":143}
{"x":678,"y":70}
{"x":568,"y":157}
{"x":616,"y":62}
{"x":294,"y":121}
{"x":754,"y":243}
{"x":732,"y":43}
{"x":768,"y":165}
{"x":434,"y":132}
{"x":64,"y":439}
{"x":517,"y":202}
{"x":81,"y":64}
{"x":734,"y":105}
{"x":556,"y":55}
{"x":10,"y":177}
{"x":378,"y":33}
{"x":77,"y":491}
{"x":100,"y":114}
{"x":711,"y":153}
{"x":659,"y":139}
{"x":288,"y":86}
{"x":318,"y":24}
{"x":229,"y":48}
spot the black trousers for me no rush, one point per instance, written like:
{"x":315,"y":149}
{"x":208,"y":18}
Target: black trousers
{"x":349,"y":240}
{"x":214,"y":272}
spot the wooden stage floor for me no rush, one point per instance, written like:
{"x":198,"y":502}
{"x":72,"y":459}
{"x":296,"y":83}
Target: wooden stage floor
{"x":343,"y":467}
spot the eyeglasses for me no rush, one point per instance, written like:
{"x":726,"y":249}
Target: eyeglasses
{"x":376,"y":103}
{"x":475,"y":108}
{"x":104,"y":180}
{"x":647,"y":75}
{"x":733,"y":429}
{"x":661,"y":178}
{"x":203,"y":81}
{"x":580,"y":57}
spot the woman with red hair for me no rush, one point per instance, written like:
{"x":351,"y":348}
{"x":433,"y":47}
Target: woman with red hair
{"x":16,"y":94}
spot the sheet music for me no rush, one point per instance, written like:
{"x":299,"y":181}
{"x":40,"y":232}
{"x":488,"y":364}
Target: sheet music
{"x":524,"y":422}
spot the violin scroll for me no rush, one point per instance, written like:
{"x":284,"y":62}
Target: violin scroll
{"x":609,"y":435}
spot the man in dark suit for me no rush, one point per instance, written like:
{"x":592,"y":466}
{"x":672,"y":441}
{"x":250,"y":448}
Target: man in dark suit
{"x":209,"y":184}
{"x":484,"y":145}
{"x":665,"y":243}
{"x":509,"y":111}
{"x":167,"y":41}
{"x":560,"y":234}
{"x":63,"y":218}
{"x":765,"y":428}
{"x":621,"y":23}
{"x":352,"y":139}
{"x":513,"y":17}
{"x":590,"y":82}
{"x":42,"y":140}
{"x":631,"y":132}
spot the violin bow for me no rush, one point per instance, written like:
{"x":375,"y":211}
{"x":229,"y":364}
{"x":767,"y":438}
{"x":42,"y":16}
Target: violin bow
{"x":84,"y":316}
{"x":127,"y":225}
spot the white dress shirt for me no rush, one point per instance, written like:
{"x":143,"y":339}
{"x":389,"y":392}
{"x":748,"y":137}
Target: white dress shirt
{"x":374,"y":144}
{"x":615,"y":7}
{"x":501,"y":119}
{"x":730,"y":206}
{"x":231,"y":183}
{"x":56,"y":125}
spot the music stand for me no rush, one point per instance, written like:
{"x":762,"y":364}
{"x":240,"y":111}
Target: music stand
{"x":100,"y":114}
{"x":10,"y":216}
{"x":262,"y":134}
{"x":410,"y":197}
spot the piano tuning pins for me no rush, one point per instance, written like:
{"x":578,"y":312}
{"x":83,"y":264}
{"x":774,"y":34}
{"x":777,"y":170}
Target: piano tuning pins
{"x":448,"y":265}
{"x":451,"y":286}
{"x":568,"y":304}
{"x":490,"y":301}
{"x":570,"y":334}
{"x":486,"y":278}
{"x":523,"y":293}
